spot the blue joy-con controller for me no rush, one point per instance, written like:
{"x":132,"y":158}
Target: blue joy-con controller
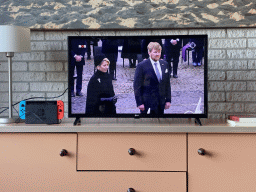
{"x":22,"y":109}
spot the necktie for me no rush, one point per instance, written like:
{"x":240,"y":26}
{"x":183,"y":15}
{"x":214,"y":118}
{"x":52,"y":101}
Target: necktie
{"x":157,"y":72}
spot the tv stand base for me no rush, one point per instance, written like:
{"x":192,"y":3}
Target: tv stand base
{"x":197,"y":121}
{"x":77,"y":121}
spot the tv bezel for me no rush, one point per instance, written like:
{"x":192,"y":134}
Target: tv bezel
{"x":138,"y":115}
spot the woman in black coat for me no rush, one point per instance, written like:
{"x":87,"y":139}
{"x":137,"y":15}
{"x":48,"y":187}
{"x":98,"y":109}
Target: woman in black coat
{"x":100,"y":92}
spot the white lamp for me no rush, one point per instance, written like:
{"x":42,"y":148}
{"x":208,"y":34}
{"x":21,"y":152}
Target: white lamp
{"x":13,"y":39}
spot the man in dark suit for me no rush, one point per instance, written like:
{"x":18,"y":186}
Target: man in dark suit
{"x":152,"y":87}
{"x":78,"y":49}
{"x":172,"y":51}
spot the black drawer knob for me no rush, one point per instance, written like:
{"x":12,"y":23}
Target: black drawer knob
{"x":201,"y":151}
{"x":63,"y":152}
{"x":131,"y":151}
{"x":130,"y":190}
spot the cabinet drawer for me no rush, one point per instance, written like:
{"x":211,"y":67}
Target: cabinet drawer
{"x":32,"y":161}
{"x":227,"y":165}
{"x":140,"y":181}
{"x":153,"y":152}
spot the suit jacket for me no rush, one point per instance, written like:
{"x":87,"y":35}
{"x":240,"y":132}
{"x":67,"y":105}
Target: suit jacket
{"x":147,"y":89}
{"x":170,"y":48}
{"x":172,"y":51}
{"x":77,"y":50}
{"x":109,"y":46}
{"x":131,"y":47}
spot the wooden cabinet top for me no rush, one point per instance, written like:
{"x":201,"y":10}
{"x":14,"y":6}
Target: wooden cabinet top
{"x":131,"y":125}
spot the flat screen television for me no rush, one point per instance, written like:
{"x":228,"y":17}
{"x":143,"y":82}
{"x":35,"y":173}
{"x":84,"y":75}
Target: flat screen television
{"x":129,"y":86}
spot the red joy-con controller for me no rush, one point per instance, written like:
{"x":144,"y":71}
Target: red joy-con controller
{"x":60,"y":109}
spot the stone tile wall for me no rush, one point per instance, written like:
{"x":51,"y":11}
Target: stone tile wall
{"x":231,"y":68}
{"x":123,"y":14}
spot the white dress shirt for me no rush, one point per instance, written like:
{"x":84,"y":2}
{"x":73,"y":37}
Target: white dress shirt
{"x":158,"y":66}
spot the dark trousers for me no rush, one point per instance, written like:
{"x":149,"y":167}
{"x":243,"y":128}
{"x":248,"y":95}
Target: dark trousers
{"x":132,"y":62}
{"x":197,"y":54}
{"x":79,"y":71}
{"x":88,"y":48}
{"x":174,"y":58}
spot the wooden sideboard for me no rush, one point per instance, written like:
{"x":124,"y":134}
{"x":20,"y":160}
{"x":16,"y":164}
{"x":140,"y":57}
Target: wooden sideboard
{"x":153,"y":157}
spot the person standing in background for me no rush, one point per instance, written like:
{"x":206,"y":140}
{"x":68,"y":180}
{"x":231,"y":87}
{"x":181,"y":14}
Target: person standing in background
{"x":197,"y":52}
{"x":172,"y":52}
{"x":78,"y":49}
{"x":131,"y":49}
{"x":110,"y":50}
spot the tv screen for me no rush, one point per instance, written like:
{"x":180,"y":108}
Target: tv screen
{"x":137,"y":76}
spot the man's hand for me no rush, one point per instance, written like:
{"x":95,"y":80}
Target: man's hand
{"x":174,"y":42}
{"x":141,"y":107}
{"x":167,"y":105}
{"x":78,"y":58}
